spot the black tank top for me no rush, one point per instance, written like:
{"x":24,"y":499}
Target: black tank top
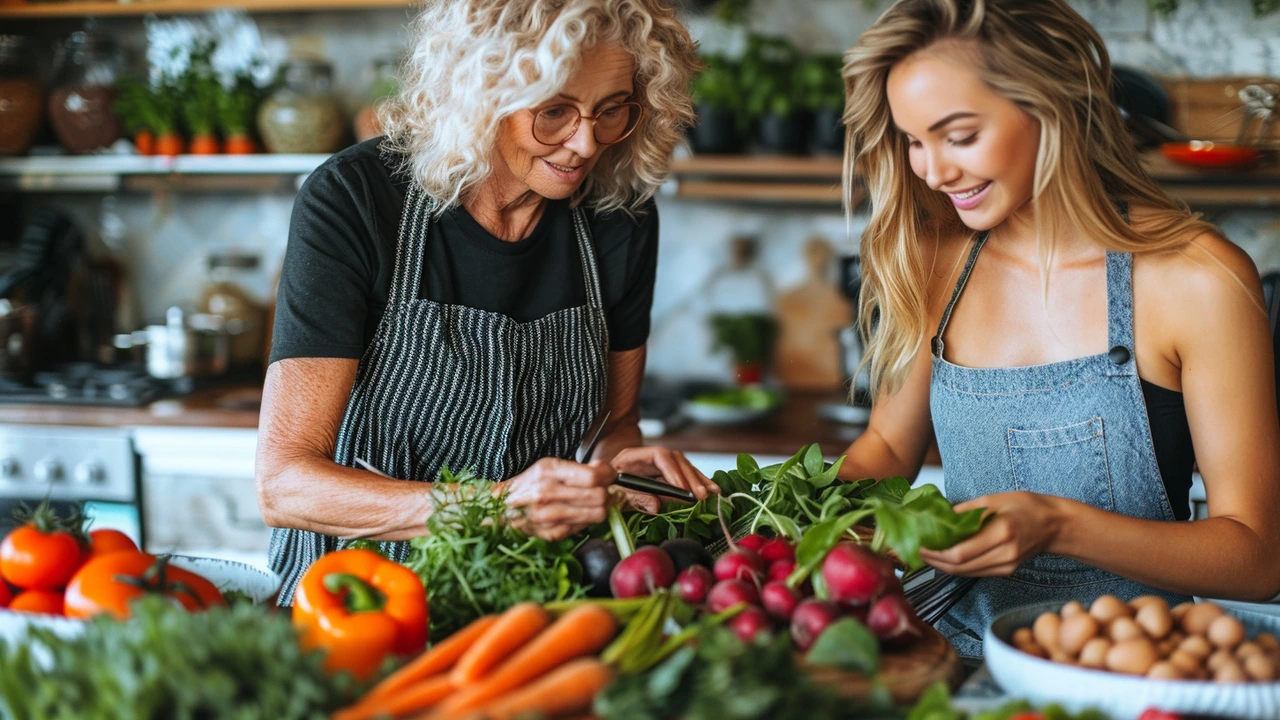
{"x":1171,"y":438}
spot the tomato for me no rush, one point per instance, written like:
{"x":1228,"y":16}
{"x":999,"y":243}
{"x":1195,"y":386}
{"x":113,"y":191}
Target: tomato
{"x":108,"y":583}
{"x":1157,"y":714}
{"x":1028,"y":715}
{"x":108,"y":541}
{"x":46,"y":602}
{"x":5,"y":594}
{"x":34,"y":559}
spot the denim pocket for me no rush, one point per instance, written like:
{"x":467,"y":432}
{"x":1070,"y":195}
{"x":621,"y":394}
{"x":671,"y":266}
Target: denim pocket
{"x":1068,"y":461}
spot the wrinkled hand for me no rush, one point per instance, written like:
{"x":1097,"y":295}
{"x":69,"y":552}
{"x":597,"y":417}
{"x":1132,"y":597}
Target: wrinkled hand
{"x":558,"y":498}
{"x":670,"y":466}
{"x":1025,"y":525}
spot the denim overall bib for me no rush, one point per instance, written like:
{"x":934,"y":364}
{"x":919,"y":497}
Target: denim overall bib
{"x":1077,"y":429}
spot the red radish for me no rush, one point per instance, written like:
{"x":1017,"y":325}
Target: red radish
{"x":777,"y":549}
{"x":728,"y":593}
{"x":693,"y":584}
{"x":856,"y":612}
{"x":750,"y":624}
{"x":740,"y":564}
{"x":854,"y":574}
{"x":892,"y":620}
{"x":780,"y":570}
{"x":752,"y":542}
{"x":810,"y":619}
{"x":779,"y":600}
{"x":639,"y":574}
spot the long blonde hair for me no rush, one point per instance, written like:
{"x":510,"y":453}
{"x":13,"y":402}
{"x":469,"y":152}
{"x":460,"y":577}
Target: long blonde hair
{"x":475,"y":62}
{"x":1044,"y":57}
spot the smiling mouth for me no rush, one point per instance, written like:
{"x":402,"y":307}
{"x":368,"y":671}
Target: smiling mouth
{"x":562,"y":168}
{"x":970,"y":193}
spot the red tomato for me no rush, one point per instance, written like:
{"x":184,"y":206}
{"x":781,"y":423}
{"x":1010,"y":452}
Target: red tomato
{"x":35,"y":560}
{"x":45,"y":602}
{"x":1028,"y":715}
{"x":1157,"y":714}
{"x":106,"y":541}
{"x":109,"y":583}
{"x":5,"y":594}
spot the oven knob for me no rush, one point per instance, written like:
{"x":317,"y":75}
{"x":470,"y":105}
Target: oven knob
{"x":48,"y":470}
{"x":9,"y":468}
{"x":90,"y":472}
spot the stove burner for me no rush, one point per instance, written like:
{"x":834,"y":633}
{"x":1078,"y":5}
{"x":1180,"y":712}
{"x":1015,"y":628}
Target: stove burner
{"x":86,"y":384}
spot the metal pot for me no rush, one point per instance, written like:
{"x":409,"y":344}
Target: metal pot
{"x":185,"y":346}
{"x":17,"y":339}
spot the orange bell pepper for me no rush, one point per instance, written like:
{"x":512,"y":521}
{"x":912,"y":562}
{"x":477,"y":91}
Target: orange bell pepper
{"x":360,"y":607}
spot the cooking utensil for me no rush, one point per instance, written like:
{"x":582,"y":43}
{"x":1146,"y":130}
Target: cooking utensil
{"x":367,"y":466}
{"x":627,"y":480}
{"x":1208,"y":154}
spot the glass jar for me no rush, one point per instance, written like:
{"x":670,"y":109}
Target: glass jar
{"x":21,"y":95}
{"x":303,"y":116}
{"x":84,"y":89}
{"x":244,"y":317}
{"x":382,"y":84}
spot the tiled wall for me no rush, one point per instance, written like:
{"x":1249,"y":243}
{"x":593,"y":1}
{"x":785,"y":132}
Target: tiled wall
{"x":168,"y":236}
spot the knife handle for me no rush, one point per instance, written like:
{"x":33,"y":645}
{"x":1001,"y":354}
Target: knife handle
{"x":653,"y":487}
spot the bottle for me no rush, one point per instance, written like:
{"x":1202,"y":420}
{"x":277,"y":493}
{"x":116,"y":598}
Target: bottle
{"x":84,"y":90}
{"x":21,"y":95}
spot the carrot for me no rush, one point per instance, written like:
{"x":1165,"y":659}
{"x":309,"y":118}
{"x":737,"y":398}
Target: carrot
{"x":437,"y":660}
{"x":421,"y":696}
{"x":582,"y":631}
{"x":571,"y":688}
{"x":514,"y":628}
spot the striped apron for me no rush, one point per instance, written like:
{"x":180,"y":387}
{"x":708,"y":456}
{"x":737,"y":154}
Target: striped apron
{"x":447,"y":385}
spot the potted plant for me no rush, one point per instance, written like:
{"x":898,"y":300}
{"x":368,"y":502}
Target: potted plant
{"x":772,"y":96}
{"x":822,"y":94}
{"x":200,"y":92}
{"x":237,"y":115}
{"x":749,"y":340}
{"x":717,"y":101}
{"x":136,"y":109}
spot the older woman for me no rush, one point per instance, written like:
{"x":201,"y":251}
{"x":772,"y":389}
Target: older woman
{"x":473,"y":290}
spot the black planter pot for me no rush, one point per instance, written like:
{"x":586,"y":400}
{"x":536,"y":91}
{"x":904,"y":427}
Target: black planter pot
{"x":782,"y":134}
{"x":828,"y":131}
{"x":715,"y":133}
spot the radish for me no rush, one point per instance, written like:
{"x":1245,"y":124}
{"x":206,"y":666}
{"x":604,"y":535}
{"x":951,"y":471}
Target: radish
{"x":693,"y":584}
{"x":780,"y":570}
{"x":777,"y":549}
{"x":728,"y":593}
{"x":892,"y":620}
{"x":750,"y":624}
{"x":810,"y":619}
{"x":752,"y":542}
{"x":854,"y":574}
{"x":640,"y":573}
{"x":857,"y":612}
{"x":740,"y":564}
{"x":779,"y":600}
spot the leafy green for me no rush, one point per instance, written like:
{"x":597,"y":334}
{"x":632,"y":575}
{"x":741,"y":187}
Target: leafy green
{"x":238,"y":663}
{"x":848,"y":645}
{"x":752,"y":397}
{"x":474,"y":562}
{"x":923,"y":519}
{"x":935,"y":704}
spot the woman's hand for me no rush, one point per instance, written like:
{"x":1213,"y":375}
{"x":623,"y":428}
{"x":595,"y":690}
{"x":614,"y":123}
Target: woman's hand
{"x":1025,"y":524}
{"x":670,"y":466}
{"x":558,"y":498}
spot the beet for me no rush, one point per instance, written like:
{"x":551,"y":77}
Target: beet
{"x":854,"y":575}
{"x":740,"y":565}
{"x":752,"y":542}
{"x":645,"y":570}
{"x":777,"y":549}
{"x":810,"y":619}
{"x":779,"y":600}
{"x":893,"y":621}
{"x":750,"y":624}
{"x":598,"y":558}
{"x":686,"y":553}
{"x":728,"y":593}
{"x":693,"y":584}
{"x":780,"y":570}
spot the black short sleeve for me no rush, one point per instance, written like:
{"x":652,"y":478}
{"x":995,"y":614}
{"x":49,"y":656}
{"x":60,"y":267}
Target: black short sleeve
{"x":628,"y":283}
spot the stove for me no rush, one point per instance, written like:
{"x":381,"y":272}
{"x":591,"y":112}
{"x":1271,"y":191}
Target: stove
{"x":89,"y":384}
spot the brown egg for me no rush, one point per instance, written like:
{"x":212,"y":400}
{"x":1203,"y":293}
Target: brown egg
{"x":1062,"y":658}
{"x":1186,"y":663}
{"x":1226,"y":632}
{"x":1132,"y":657}
{"x":1164,"y":670}
{"x":1072,"y":609}
{"x":1196,"y":620}
{"x":1155,"y":619}
{"x":1140,"y":602}
{"x":1094,"y":653}
{"x":1177,"y":611}
{"x":1124,"y":628}
{"x":1034,"y":650}
{"x":1108,"y":608}
{"x":1218,"y":659}
{"x":1022,"y":636}
{"x":1197,"y":646}
{"x":1046,"y":630}
{"x":1166,"y":646}
{"x":1076,"y":631}
{"x":1248,"y":649}
{"x":1260,"y":668}
{"x":1229,"y":672}
{"x":1268,"y":642}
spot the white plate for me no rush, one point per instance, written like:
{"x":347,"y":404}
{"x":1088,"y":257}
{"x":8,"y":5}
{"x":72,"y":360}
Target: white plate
{"x":1123,"y":697}
{"x":709,"y":414}
{"x":259,"y":585}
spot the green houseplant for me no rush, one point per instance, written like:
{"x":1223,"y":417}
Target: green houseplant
{"x":717,"y":98}
{"x":822,"y":94}
{"x":772,"y":95}
{"x":749,"y":340}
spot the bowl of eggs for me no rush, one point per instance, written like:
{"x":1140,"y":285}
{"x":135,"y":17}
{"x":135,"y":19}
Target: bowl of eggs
{"x":1124,"y":657}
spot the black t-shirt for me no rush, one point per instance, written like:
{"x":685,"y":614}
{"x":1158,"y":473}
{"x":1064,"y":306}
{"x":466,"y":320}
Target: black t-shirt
{"x":342,"y":248}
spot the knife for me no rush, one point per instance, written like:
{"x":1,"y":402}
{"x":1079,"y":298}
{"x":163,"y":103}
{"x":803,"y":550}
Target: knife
{"x":629,"y":481}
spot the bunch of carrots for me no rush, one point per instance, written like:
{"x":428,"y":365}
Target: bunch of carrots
{"x":501,"y":667}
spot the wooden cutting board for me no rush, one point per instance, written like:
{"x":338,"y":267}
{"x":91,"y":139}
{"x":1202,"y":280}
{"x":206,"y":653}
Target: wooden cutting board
{"x":907,"y":672}
{"x":808,"y":355}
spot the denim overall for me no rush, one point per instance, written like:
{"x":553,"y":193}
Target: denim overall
{"x":1077,"y":429}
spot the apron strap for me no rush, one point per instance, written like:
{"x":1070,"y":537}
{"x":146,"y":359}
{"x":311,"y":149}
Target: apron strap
{"x":587,"y":251}
{"x":415,"y":223}
{"x":936,"y":345}
{"x":1120,"y":302}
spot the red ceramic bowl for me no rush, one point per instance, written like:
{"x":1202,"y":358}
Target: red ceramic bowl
{"x":1204,"y":153}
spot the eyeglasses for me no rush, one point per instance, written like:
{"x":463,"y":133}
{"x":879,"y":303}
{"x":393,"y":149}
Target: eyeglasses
{"x":556,"y":124}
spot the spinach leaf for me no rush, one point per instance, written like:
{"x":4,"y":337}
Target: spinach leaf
{"x":848,"y":645}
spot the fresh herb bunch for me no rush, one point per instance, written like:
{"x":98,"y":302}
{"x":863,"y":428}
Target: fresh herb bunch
{"x":473,"y":562}
{"x":720,"y":677}
{"x":237,"y":663}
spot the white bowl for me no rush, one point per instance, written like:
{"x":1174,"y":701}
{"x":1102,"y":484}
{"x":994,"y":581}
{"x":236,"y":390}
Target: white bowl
{"x":260,"y":586}
{"x":1123,"y":697}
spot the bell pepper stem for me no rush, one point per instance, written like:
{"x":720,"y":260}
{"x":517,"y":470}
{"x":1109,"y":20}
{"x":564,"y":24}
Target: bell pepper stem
{"x":358,"y":595}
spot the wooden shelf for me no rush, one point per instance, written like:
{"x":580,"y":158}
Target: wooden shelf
{"x":83,"y":8}
{"x":108,"y":173}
